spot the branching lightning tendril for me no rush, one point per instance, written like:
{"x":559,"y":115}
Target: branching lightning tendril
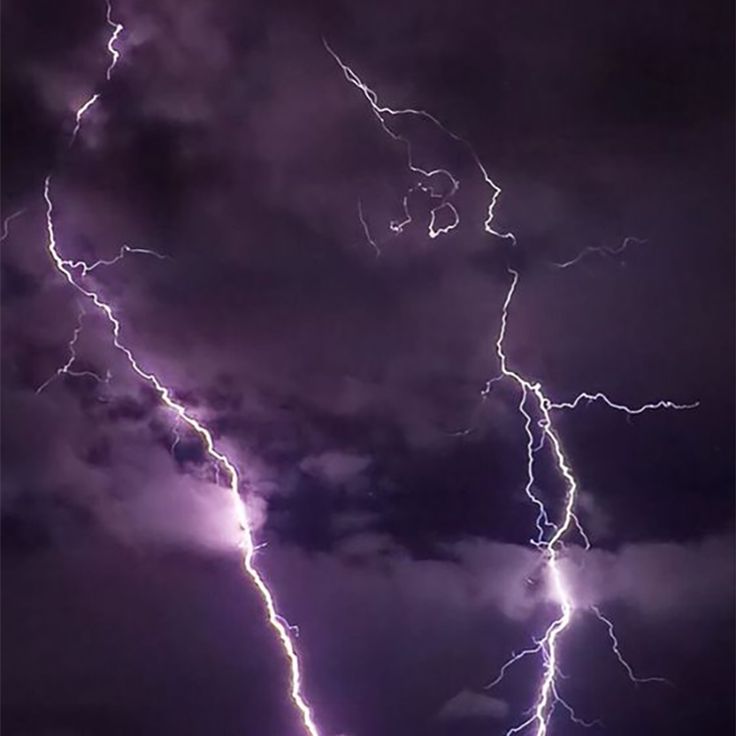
{"x":615,"y":647}
{"x":382,"y":112}
{"x":536,"y":410}
{"x":117,"y":29}
{"x":66,"y":369}
{"x":74,"y":272}
{"x":600,"y":250}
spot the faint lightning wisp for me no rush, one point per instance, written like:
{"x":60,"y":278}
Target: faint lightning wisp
{"x":117,"y":29}
{"x":8,"y":220}
{"x":617,"y":651}
{"x":74,"y":272}
{"x":600,"y":250}
{"x":79,"y":115}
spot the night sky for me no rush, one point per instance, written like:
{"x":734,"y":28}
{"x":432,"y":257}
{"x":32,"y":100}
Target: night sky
{"x":345,"y":384}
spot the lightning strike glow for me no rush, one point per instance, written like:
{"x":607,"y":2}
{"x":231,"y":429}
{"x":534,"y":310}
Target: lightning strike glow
{"x":534,"y":404}
{"x":67,"y":269}
{"x":600,"y":250}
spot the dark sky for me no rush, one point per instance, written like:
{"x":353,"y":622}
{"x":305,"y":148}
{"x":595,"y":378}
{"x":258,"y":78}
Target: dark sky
{"x":229,"y":141}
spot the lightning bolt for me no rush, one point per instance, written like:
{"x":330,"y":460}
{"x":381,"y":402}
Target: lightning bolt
{"x":536,"y":409}
{"x":74,"y":273}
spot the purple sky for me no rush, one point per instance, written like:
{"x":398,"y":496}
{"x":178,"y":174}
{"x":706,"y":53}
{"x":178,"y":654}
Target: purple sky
{"x":229,"y":141}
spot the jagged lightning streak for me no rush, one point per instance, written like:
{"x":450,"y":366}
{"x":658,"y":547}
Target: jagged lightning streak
{"x":548,"y":644}
{"x":630,"y":410}
{"x":74,"y":272}
{"x":79,"y":115}
{"x":366,"y":229}
{"x":600,"y":250}
{"x":87,"y":268}
{"x":533,"y":402}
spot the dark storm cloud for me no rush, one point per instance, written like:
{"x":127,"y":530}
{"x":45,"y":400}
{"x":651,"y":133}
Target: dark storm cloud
{"x":229,"y":141}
